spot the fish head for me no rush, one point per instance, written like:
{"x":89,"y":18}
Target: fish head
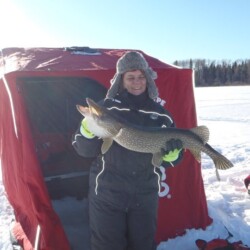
{"x":100,"y":121}
{"x":83,"y":110}
{"x":93,"y":111}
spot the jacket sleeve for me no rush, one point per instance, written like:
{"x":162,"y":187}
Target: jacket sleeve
{"x":86,"y":147}
{"x":179,"y":159}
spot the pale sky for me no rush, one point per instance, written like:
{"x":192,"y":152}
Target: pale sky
{"x":167,"y":29}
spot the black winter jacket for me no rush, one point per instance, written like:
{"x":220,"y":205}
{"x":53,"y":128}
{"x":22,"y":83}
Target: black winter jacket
{"x":121,"y":175}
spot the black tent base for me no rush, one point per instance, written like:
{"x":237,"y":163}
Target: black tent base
{"x":70,"y":184}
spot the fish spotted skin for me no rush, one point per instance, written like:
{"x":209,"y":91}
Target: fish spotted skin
{"x":104,"y":124}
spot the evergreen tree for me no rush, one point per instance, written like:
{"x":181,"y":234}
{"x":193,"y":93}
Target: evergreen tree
{"x":218,"y":73}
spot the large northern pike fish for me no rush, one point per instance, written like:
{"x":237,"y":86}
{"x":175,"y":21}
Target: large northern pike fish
{"x":104,"y":124}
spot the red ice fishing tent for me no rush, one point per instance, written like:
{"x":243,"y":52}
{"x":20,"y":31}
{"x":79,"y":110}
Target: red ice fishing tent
{"x":39,"y":88}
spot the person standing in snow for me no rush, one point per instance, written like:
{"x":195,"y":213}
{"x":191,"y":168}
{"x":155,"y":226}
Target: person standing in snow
{"x":123,"y":184}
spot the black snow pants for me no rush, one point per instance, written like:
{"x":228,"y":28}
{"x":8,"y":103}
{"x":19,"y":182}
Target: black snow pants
{"x":115,"y":228}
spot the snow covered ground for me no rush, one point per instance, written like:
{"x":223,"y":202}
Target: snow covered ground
{"x":226,"y":111}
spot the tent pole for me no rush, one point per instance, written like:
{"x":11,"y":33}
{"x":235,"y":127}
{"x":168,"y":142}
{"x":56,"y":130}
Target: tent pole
{"x":38,"y":233}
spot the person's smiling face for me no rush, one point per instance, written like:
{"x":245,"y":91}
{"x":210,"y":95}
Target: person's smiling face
{"x":135,"y":82}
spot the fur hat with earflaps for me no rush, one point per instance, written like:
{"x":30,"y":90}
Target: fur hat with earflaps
{"x":131,"y":61}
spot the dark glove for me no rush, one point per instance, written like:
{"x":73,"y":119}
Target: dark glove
{"x":173,"y":144}
{"x":172,"y":151}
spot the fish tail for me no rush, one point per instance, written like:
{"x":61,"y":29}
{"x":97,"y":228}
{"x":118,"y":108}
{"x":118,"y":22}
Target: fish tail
{"x":221,"y":162}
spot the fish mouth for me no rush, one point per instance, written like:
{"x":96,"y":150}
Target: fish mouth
{"x":94,"y":107}
{"x":83,"y":110}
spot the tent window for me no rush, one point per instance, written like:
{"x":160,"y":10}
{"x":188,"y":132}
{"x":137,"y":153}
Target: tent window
{"x":83,"y":51}
{"x":51,"y":102}
{"x":51,"y":107}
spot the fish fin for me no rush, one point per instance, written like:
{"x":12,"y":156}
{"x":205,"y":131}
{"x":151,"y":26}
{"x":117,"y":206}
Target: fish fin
{"x":107,"y":142}
{"x":221,"y":162}
{"x":196,"y":154}
{"x":202,"y":132}
{"x":157,"y":159}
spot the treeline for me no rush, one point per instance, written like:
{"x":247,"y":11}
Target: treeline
{"x":218,"y":73}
